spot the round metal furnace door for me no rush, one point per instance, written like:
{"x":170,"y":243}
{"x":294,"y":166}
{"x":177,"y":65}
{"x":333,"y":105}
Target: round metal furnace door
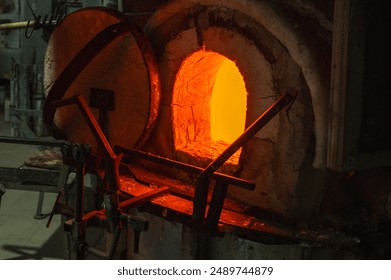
{"x":101,"y":55}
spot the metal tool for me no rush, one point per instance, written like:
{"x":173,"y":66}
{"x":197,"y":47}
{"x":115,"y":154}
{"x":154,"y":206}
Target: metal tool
{"x":39,"y":23}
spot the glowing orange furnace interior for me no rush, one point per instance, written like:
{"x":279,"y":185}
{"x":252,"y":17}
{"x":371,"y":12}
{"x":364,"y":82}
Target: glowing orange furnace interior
{"x":209,"y":105}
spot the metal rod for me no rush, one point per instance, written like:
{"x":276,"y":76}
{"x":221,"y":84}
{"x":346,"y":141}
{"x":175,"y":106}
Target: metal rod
{"x":111,"y":201}
{"x":79,"y":241}
{"x":24,"y":24}
{"x":270,"y":113}
{"x":80,"y":225}
{"x":216,"y":205}
{"x":111,"y":159}
{"x":15,"y":25}
{"x":129,"y":203}
{"x":89,"y":118}
{"x":140,"y":199}
{"x":55,"y":208}
{"x":38,"y":213}
{"x":26,"y":141}
{"x":242,"y":183}
{"x":201,"y":187}
{"x":136,"y":241}
{"x":79,"y":199}
{"x":97,"y":253}
{"x":79,"y":153}
{"x":114,"y":243}
{"x":200,"y":197}
{"x":26,"y":112}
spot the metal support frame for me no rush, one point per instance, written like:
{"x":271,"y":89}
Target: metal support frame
{"x":29,"y":176}
{"x":31,"y":180}
{"x":113,"y":215}
{"x":114,"y":210}
{"x":204,"y":175}
{"x":76,"y":154}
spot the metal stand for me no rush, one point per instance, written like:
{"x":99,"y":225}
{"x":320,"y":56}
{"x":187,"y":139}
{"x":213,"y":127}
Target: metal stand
{"x":114,"y":212}
{"x":38,"y":214}
{"x":39,"y":180}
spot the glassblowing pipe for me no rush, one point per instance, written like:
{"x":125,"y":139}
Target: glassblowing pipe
{"x":34,"y":24}
{"x":16,"y":25}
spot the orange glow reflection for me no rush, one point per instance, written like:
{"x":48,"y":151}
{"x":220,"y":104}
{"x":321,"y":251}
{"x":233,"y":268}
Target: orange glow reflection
{"x":228,"y":104}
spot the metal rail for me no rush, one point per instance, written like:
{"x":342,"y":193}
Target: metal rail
{"x":242,"y":183}
{"x":28,"y":141}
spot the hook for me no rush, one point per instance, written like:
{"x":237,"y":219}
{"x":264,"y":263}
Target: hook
{"x":38,"y":23}
{"x":28,"y":33}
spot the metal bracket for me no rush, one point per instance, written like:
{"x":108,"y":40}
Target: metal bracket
{"x":102,"y":99}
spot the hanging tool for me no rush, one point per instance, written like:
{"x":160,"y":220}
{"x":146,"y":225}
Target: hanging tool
{"x":38,"y":22}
